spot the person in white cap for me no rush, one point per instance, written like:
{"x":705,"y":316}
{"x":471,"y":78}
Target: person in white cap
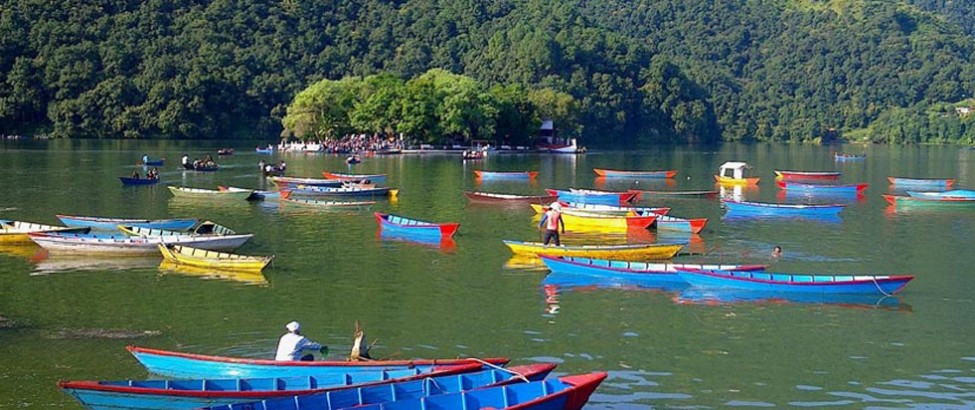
{"x":292,"y":344}
{"x":551,"y":220}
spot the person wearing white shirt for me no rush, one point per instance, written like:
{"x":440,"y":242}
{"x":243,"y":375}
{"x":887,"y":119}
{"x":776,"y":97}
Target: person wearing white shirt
{"x":292,"y":344}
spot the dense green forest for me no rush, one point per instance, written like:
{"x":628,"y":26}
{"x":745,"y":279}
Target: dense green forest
{"x":635,"y":70}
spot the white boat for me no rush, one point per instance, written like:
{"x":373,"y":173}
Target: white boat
{"x":186,"y":192}
{"x":87,"y":244}
{"x":204,"y":228}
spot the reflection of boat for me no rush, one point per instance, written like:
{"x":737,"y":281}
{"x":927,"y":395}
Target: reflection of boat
{"x":24,"y":250}
{"x":733,"y":173}
{"x":795,"y":283}
{"x":827,"y":189}
{"x":770,"y":209}
{"x":212,"y":259}
{"x":928,"y":183}
{"x":178,"y":364}
{"x":648,"y":274}
{"x":62,"y":263}
{"x":693,"y":295}
{"x":413,"y":227}
{"x":481,"y":174}
{"x":15,"y":232}
{"x":98,"y":222}
{"x":495,"y":197}
{"x":629,"y":252}
{"x":440,"y":242}
{"x":807,"y":175}
{"x":242,"y":276}
{"x":612,"y":173}
{"x":953,"y":195}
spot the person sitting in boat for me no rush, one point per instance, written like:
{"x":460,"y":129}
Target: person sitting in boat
{"x":185,"y":161}
{"x":261,"y":164}
{"x":152,"y":173}
{"x":293,"y":344}
{"x":145,"y":159}
{"x":135,"y":175}
{"x":282,"y":166}
{"x":551,"y":220}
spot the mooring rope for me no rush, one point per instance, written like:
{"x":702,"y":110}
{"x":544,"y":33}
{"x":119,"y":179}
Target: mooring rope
{"x":492,"y":365}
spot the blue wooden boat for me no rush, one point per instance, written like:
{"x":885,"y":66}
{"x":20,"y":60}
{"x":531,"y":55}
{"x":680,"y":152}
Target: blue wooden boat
{"x":635,"y":272}
{"x":413,"y":227}
{"x":927,"y":183}
{"x":386,"y":392}
{"x":155,"y":163}
{"x":437,"y":242}
{"x":564,"y":393}
{"x":595,"y":197}
{"x":176,"y":364}
{"x":799,"y":283}
{"x":196,"y":393}
{"x":526,"y":175}
{"x":827,"y":189}
{"x":770,"y":209}
{"x":311,"y":190}
{"x":111,"y":224}
{"x":138,"y":181}
{"x":264,"y":150}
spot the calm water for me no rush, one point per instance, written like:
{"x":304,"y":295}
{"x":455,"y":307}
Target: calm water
{"x":681,"y":348}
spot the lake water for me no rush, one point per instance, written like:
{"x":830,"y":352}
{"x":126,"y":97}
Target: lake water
{"x":683,"y":348}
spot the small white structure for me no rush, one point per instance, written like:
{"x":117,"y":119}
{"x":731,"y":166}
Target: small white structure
{"x":733,"y":172}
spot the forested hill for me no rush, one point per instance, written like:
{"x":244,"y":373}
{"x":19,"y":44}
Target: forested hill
{"x":657,"y":70}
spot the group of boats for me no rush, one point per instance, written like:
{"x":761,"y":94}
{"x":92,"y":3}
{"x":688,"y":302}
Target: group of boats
{"x":214,"y":382}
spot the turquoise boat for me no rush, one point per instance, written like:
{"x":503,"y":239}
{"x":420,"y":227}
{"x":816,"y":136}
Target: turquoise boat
{"x":188,"y":365}
{"x":111,"y":224}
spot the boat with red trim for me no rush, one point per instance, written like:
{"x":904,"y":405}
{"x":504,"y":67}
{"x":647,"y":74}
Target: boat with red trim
{"x":793,"y":282}
{"x":614,"y":173}
{"x":807,"y":175}
{"x":411,"y":227}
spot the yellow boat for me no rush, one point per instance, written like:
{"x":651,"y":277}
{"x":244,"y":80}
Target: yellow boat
{"x":212,"y":259}
{"x":15,"y":232}
{"x":246,"y":277}
{"x":629,"y":252}
{"x":733,"y":173}
{"x":576,"y":220}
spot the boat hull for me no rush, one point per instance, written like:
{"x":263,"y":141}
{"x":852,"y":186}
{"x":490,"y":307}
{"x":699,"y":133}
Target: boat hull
{"x":210,"y":259}
{"x":186,"y":365}
{"x":928,"y":183}
{"x":825,"y":189}
{"x":770,"y":209}
{"x":794,"y":283}
{"x":637,"y":252}
{"x":505,"y":175}
{"x":113,"y":223}
{"x":614,"y":199}
{"x":680,"y":194}
{"x":411,"y":227}
{"x":807,"y":175}
{"x":631,"y":272}
{"x":579,"y":220}
{"x":124,"y":245}
{"x":612,"y":173}
{"x":354,"y":177}
{"x":736,"y":181}
{"x":138,"y":181}
{"x":194,"y":193}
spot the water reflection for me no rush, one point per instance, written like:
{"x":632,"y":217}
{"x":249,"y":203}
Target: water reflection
{"x":441,"y":243}
{"x":648,"y":281}
{"x":623,"y":184}
{"x":738,"y":192}
{"x":250,"y":278}
{"x":525,"y":262}
{"x":65,"y":263}
{"x":28,"y":251}
{"x":722,"y":296}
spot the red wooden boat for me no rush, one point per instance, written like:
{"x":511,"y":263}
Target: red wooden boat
{"x":413,"y":227}
{"x":807,"y":175}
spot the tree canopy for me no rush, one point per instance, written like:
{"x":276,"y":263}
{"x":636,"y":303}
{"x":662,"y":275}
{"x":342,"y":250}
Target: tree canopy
{"x":612,"y":71}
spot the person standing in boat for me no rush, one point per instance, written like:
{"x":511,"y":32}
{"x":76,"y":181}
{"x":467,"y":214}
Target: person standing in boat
{"x":551,"y":220}
{"x":292,"y":344}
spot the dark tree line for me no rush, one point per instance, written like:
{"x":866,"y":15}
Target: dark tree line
{"x":634,"y":70}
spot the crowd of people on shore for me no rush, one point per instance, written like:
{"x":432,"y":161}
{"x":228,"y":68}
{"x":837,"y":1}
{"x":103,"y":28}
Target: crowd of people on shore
{"x":348,"y":144}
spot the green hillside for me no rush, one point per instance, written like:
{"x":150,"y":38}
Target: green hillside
{"x":661,"y":70}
